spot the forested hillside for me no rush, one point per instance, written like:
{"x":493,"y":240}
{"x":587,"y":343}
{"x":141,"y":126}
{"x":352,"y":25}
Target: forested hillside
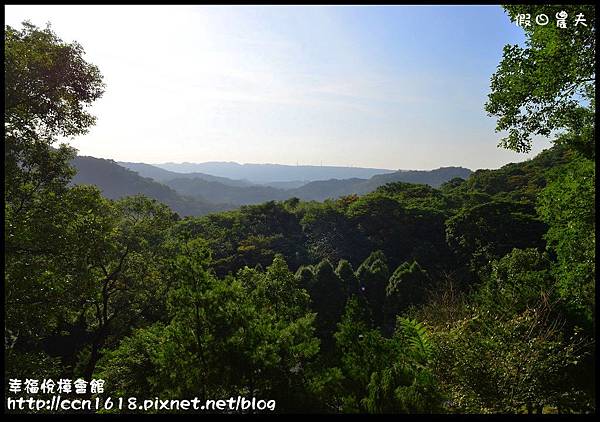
{"x":333,"y":189}
{"x":219,"y":190}
{"x":117,"y":182}
{"x":162,"y":175}
{"x":475,"y":296}
{"x":404,"y":221}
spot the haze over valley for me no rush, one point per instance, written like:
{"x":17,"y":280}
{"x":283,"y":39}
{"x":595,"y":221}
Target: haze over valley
{"x":198,"y":193}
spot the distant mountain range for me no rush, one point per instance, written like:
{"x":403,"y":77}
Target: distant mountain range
{"x":267,"y":173}
{"x":334,"y":188}
{"x":199,"y":193}
{"x":162,"y":175}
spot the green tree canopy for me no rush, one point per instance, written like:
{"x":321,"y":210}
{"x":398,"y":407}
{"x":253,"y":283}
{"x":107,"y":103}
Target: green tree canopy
{"x":549,"y":84}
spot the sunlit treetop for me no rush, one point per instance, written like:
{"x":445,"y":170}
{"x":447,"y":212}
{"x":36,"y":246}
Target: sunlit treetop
{"x":48,"y":84}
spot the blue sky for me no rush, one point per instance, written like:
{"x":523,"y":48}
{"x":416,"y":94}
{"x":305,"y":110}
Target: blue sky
{"x":390,"y":87}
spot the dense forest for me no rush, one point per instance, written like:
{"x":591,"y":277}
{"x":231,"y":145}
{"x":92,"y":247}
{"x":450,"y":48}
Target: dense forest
{"x":476,"y":296}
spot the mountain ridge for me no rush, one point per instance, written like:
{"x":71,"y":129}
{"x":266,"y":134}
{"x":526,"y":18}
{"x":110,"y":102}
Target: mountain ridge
{"x":201,"y":193}
{"x":268,"y":172}
{"x":116,"y":181}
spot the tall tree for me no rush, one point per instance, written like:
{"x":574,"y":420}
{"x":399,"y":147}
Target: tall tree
{"x":48,"y":87}
{"x":548,"y":85}
{"x":328,"y":300}
{"x":373,"y":275}
{"x":345,"y":272}
{"x":567,"y":205}
{"x":407,"y":287}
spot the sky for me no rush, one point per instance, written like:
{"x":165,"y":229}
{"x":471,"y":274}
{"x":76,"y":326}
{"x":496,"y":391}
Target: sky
{"x":395,"y":87}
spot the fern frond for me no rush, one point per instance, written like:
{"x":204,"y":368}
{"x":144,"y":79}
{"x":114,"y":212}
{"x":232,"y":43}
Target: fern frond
{"x":416,"y":336}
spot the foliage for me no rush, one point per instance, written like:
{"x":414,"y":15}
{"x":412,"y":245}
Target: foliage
{"x":490,"y":230}
{"x":567,"y":205}
{"x":373,"y":275}
{"x":490,"y":309}
{"x":511,"y":365}
{"x":406,"y":287}
{"x":328,"y":298}
{"x":548,"y":84}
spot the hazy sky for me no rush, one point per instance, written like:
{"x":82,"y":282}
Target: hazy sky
{"x":390,"y":87}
